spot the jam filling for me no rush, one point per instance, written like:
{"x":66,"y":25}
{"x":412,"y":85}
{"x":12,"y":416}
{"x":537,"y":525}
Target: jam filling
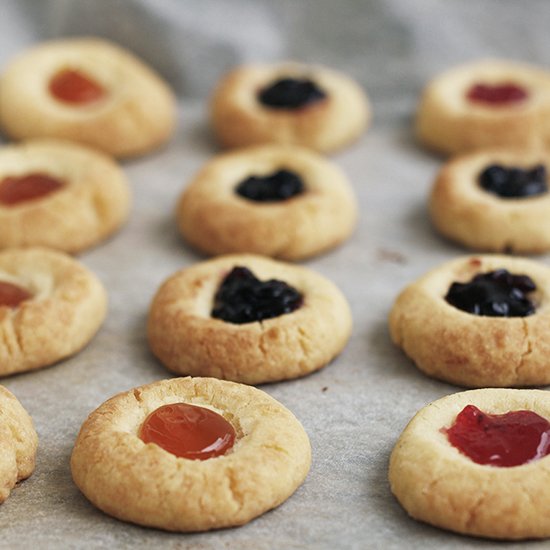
{"x":494,"y":294}
{"x":16,"y":189}
{"x":75,"y":87}
{"x":279,"y":186}
{"x":291,"y":93}
{"x":509,"y":439}
{"x":12,"y":295}
{"x":498,"y":94}
{"x":514,"y":182}
{"x":242,"y":298}
{"x":188,"y":431}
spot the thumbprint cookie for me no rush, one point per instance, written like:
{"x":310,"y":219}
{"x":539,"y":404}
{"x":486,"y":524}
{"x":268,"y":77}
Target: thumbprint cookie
{"x":18,"y":443}
{"x":248,"y":319}
{"x":289,"y":103}
{"x":477,"y":463}
{"x":86,"y":90}
{"x":484,"y":104}
{"x":60,"y":195}
{"x":272,"y":200}
{"x":190,"y":454}
{"x":495,"y":200}
{"x":478,"y":321}
{"x":50,"y":307}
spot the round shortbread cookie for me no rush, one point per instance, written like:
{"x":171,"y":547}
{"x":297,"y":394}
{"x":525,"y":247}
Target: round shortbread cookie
{"x":188,"y":340}
{"x":326,"y":124}
{"x":449,"y":122}
{"x":91,"y":202}
{"x":145,"y":484}
{"x":63,"y":307}
{"x":438,"y":484}
{"x":472,"y":350}
{"x":131,"y":113}
{"x":213,"y":217}
{"x":18,"y":443}
{"x":462,"y":210}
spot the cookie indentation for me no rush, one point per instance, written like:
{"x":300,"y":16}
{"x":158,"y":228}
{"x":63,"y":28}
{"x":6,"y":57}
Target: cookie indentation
{"x":12,"y":295}
{"x":243,"y":298}
{"x":291,"y":93}
{"x":505,"y":440}
{"x":278,"y":186}
{"x":75,"y":87}
{"x":514,"y":182}
{"x":494,"y":294}
{"x":17,"y":189}
{"x":188,"y":431}
{"x":498,"y":94}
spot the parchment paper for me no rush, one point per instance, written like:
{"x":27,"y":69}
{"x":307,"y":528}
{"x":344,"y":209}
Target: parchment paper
{"x":354,"y":409}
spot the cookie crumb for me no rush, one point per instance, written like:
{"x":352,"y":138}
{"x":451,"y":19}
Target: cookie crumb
{"x":391,"y":256}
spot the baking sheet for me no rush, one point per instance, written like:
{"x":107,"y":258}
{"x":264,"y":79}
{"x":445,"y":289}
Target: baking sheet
{"x":354,"y":409}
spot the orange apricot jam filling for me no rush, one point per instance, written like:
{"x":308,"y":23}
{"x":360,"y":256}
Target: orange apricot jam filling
{"x":12,"y":295}
{"x":16,"y":189}
{"x":75,"y":87}
{"x":188,"y":431}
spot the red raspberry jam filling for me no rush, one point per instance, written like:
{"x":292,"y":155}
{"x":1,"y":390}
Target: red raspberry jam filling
{"x":16,"y":189}
{"x":72,"y":86}
{"x":499,"y":94}
{"x":509,"y":439}
{"x":188,"y":431}
{"x":12,"y":295}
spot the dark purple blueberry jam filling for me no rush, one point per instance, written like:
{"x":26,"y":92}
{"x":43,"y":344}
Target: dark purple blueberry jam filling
{"x":494,"y":294}
{"x":242,"y":298}
{"x":514,"y":182}
{"x":279,"y":186}
{"x":291,"y":93}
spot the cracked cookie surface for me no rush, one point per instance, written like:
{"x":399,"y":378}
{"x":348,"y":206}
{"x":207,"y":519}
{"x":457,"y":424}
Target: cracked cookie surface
{"x":240,"y":118}
{"x":188,"y":340}
{"x":18,"y":443}
{"x":437,"y":484}
{"x":91,"y":204}
{"x":144,"y":484}
{"x":66,"y":308}
{"x":215,"y":219}
{"x":471,"y":350}
{"x":466,"y":213}
{"x":135,"y":114}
